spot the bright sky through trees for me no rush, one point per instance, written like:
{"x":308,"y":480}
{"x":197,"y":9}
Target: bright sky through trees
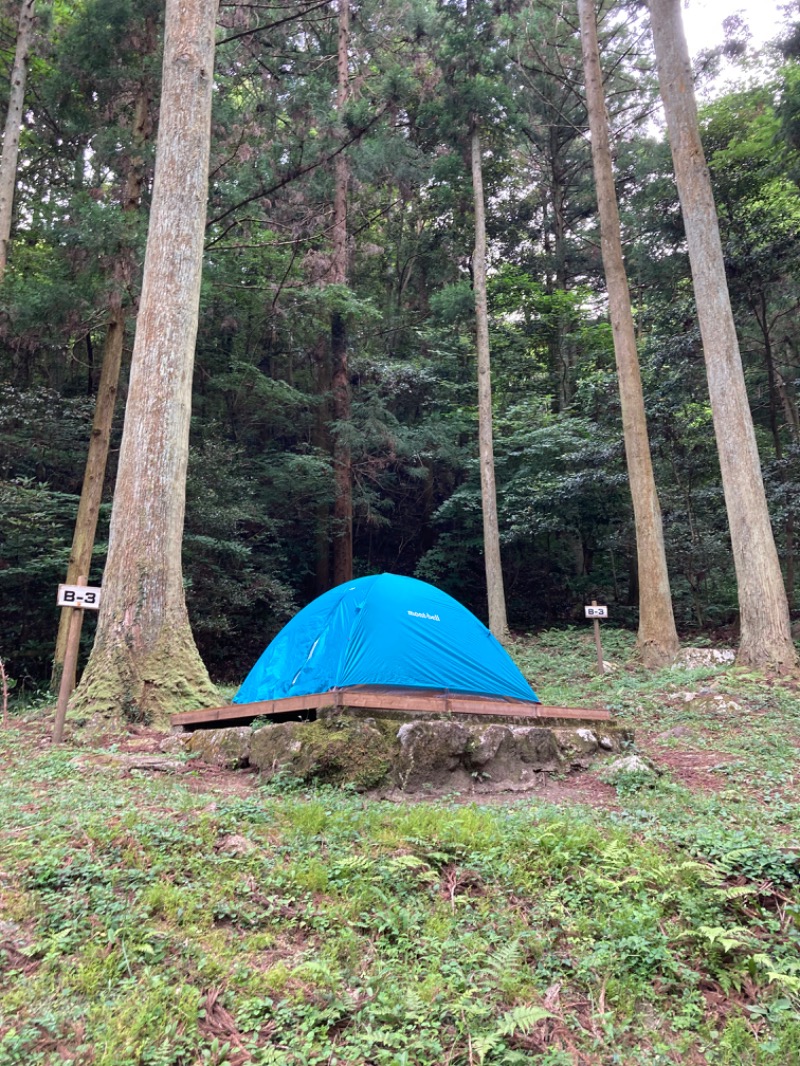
{"x":703,"y":20}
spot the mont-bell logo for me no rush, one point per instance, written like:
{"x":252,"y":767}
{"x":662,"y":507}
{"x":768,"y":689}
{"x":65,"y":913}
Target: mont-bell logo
{"x":424,"y":614}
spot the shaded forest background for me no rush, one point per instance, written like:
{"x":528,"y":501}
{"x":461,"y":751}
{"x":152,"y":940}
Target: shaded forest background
{"x":261,"y":480}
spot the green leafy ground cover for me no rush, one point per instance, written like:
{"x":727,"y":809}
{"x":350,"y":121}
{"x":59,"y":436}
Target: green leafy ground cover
{"x":198,"y":917}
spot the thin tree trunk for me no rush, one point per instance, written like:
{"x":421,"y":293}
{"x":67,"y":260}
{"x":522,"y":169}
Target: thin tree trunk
{"x":495,"y":590}
{"x":790,"y":562}
{"x":789,"y":407}
{"x":342,"y":536}
{"x":657,"y":638}
{"x":89,"y":365}
{"x":80,"y":560}
{"x":760,"y":311}
{"x":793,"y":424}
{"x":80,"y":557}
{"x":144,"y":660}
{"x":758,"y":306}
{"x":10,"y":153}
{"x":564,"y":360}
{"x":765,"y":633}
{"x":321,"y":441}
{"x":342,"y":525}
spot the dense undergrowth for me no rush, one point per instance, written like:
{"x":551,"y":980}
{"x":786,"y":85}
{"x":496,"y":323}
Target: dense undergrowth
{"x":196,"y":919}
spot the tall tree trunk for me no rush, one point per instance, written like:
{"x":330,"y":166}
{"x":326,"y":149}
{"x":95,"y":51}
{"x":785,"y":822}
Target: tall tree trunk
{"x":793,"y":425}
{"x":561,"y":344}
{"x":761,"y":314}
{"x":89,"y":365}
{"x":495,"y":590}
{"x":10,"y":153}
{"x":342,"y":536}
{"x":766,"y":638}
{"x":80,"y":559}
{"x":760,"y":310}
{"x":657,"y":638}
{"x":321,"y":440}
{"x":144,"y":660}
{"x":789,"y":406}
{"x":789,"y":553}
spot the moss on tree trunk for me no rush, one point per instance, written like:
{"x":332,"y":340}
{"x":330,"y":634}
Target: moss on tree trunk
{"x":146,"y":683}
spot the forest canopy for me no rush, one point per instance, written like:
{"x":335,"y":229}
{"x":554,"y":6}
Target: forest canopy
{"x":269,"y":431}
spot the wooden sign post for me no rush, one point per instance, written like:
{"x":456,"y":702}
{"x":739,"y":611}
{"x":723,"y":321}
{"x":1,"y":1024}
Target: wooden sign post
{"x":597,"y":613}
{"x":79,"y":598}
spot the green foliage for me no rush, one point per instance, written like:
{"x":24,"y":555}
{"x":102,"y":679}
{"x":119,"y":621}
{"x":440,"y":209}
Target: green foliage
{"x":261,"y":476}
{"x":35,"y":540}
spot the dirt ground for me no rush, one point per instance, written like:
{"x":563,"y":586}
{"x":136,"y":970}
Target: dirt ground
{"x":144,"y":750}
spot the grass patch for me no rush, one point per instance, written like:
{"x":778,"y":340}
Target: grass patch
{"x":341,"y":930}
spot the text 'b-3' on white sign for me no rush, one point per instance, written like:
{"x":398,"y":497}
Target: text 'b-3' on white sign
{"x":79,"y":596}
{"x":596,"y":612}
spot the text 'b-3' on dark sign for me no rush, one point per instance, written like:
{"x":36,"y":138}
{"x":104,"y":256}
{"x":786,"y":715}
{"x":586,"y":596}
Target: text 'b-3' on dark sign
{"x":79,"y":596}
{"x":596,"y":612}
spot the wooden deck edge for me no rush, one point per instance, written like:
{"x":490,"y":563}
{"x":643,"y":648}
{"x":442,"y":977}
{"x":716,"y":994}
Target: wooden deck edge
{"x":435,"y":704}
{"x":254,"y":710}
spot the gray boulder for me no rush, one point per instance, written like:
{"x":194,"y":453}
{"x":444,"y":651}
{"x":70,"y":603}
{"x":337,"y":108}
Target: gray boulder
{"x":577,"y":746}
{"x":432,"y":754}
{"x":631,"y":766}
{"x":447,"y":754}
{"x":228,"y":748}
{"x":339,"y":750}
{"x":441,"y":754}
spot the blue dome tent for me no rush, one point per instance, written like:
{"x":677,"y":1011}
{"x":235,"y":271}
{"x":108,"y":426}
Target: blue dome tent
{"x":384,"y":631}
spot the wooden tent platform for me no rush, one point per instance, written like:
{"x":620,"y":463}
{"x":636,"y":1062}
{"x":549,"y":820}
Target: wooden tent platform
{"x":413,"y":701}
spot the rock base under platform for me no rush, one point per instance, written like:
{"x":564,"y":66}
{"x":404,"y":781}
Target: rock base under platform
{"x":416,"y":754}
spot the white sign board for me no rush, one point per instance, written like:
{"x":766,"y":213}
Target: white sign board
{"x":79,"y":596}
{"x":596,"y":612}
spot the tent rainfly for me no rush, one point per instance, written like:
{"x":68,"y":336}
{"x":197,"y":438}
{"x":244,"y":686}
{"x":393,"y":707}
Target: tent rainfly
{"x":385,"y":631}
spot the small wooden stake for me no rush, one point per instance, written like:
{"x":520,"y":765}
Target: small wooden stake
{"x":597,"y":643}
{"x":5,"y":693}
{"x":70,"y":667}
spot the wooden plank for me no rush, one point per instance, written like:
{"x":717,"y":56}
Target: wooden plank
{"x":580,"y":713}
{"x":436,"y":703}
{"x":377,"y":699}
{"x":255,"y":710}
{"x":455,"y":703}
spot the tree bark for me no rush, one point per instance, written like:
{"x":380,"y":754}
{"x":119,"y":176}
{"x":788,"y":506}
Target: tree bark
{"x":657,"y":638}
{"x":144,"y":661}
{"x":321,"y":440}
{"x":761,"y":314}
{"x":789,"y":550}
{"x":765,"y":633}
{"x":80,"y":560}
{"x":789,"y":407}
{"x":10,"y":153}
{"x":562,"y":348}
{"x":793,"y":425}
{"x":495,"y":590}
{"x":342,"y":531}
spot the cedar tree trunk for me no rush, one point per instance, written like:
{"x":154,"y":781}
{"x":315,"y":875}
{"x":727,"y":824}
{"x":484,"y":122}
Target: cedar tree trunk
{"x":491,"y":532}
{"x":80,"y":559}
{"x":16,"y":97}
{"x":765,"y":634}
{"x":657,"y":638}
{"x":322,"y":442}
{"x":342,"y":536}
{"x":144,"y":661}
